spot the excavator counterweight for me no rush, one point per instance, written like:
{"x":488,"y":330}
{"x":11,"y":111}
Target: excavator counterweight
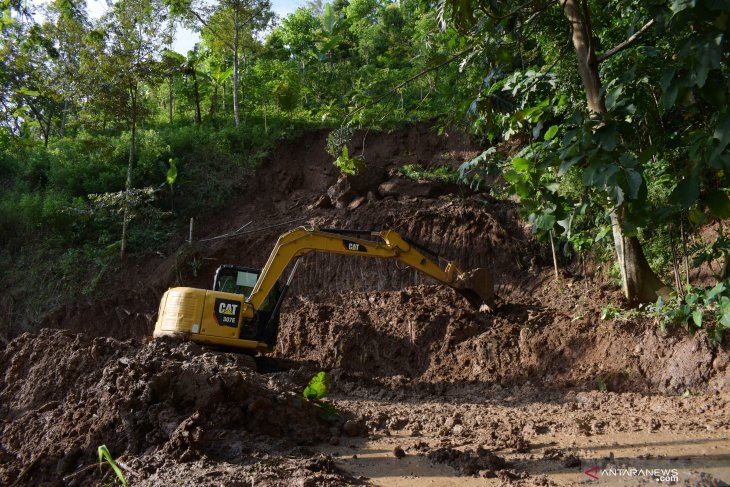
{"x":242,"y":310}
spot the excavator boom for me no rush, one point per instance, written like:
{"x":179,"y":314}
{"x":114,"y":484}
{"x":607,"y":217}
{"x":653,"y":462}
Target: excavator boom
{"x":391,"y":245}
{"x":250,"y":321}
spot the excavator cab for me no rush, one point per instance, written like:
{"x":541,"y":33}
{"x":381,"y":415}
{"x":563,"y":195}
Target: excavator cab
{"x":242,"y":280}
{"x":236,"y":279}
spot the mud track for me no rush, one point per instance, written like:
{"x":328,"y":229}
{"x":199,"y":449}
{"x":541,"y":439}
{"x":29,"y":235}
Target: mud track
{"x":429,"y":391}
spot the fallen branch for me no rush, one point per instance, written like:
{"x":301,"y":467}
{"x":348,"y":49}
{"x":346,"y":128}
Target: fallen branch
{"x":230,"y":234}
{"x":78,"y":472}
{"x":270,"y":226}
{"x":24,"y":472}
{"x":127,"y":468}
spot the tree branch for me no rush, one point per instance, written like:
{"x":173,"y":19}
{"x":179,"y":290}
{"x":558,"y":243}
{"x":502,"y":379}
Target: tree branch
{"x":627,"y":43}
{"x":404,"y":83}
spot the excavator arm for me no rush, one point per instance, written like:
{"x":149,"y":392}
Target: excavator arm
{"x":476,"y":286}
{"x":232,"y":317}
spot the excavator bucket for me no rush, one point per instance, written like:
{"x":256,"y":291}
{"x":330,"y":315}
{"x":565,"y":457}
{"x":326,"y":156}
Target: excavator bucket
{"x":477,"y":286}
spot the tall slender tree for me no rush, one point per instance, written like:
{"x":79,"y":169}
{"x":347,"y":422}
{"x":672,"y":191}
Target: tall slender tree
{"x":123,"y":57}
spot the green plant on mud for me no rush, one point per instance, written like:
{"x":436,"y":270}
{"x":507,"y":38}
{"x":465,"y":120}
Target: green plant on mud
{"x":104,"y":454}
{"x":316,"y":391}
{"x":417,"y":172}
{"x":699,"y":308}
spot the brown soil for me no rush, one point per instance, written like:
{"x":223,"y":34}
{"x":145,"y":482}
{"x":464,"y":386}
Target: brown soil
{"x":428,"y":390}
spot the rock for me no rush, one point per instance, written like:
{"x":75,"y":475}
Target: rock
{"x":398,"y":452}
{"x":353,"y":427}
{"x":341,"y":193}
{"x":356,"y":203}
{"x":324,"y":201}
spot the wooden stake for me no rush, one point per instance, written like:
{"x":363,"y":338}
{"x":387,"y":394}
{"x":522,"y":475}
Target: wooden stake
{"x":684,"y":249}
{"x":555,"y":260}
{"x":675,"y":266}
{"x":190,"y":236}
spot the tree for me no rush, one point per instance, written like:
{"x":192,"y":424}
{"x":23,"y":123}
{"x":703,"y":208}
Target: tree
{"x":231,"y":24}
{"x":123,"y":56}
{"x":608,"y":144}
{"x":67,"y":25}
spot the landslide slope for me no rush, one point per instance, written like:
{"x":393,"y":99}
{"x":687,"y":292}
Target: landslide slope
{"x":376,"y":324}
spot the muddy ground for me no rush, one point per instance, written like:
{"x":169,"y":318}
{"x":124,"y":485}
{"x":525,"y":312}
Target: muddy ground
{"x":427,"y":390}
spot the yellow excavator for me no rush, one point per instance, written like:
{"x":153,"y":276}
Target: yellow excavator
{"x":242,"y":310}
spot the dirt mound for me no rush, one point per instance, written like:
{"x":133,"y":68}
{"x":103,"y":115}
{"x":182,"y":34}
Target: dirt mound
{"x":125,"y":315}
{"x":431,"y":334}
{"x":282,"y":195}
{"x":64,"y":394}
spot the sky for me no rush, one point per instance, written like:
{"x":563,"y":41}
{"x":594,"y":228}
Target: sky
{"x":185,"y":39}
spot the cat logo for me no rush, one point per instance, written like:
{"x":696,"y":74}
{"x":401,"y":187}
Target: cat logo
{"x":354,"y":246}
{"x":226,"y":312}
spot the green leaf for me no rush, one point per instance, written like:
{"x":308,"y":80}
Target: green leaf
{"x":171,"y":173}
{"x":686,"y":192}
{"x":724,"y":312}
{"x":677,"y":6}
{"x":612,"y":96}
{"x":318,"y":387}
{"x":607,"y":137}
{"x":520,"y":164}
{"x":697,"y":318}
{"x":712,"y":293}
{"x":633,"y":179}
{"x":551,"y":132}
{"x":568,"y":163}
{"x":718,"y":203}
{"x":545,"y":221}
{"x":105,"y":455}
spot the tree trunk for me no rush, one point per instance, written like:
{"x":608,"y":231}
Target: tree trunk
{"x":235,"y":66}
{"x":49,"y":123}
{"x":130,"y":165}
{"x":639,"y":283}
{"x":198,"y":118}
{"x":62,"y":128}
{"x":214,"y":102}
{"x":169,"y":84}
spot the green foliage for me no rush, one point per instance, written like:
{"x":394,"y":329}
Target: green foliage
{"x":435,"y":173}
{"x":105,"y":455}
{"x":316,"y":391}
{"x":349,"y":165}
{"x":318,"y":387}
{"x":699,"y":308}
{"x":610,"y":312}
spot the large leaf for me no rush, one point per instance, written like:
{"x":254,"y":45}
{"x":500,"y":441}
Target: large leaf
{"x":633,"y":180}
{"x":724,"y":312}
{"x":607,"y":137}
{"x":718,"y":203}
{"x":686,"y":192}
{"x":520,"y":164}
{"x":545,"y":221}
{"x":551,"y":132}
{"x":712,"y":293}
